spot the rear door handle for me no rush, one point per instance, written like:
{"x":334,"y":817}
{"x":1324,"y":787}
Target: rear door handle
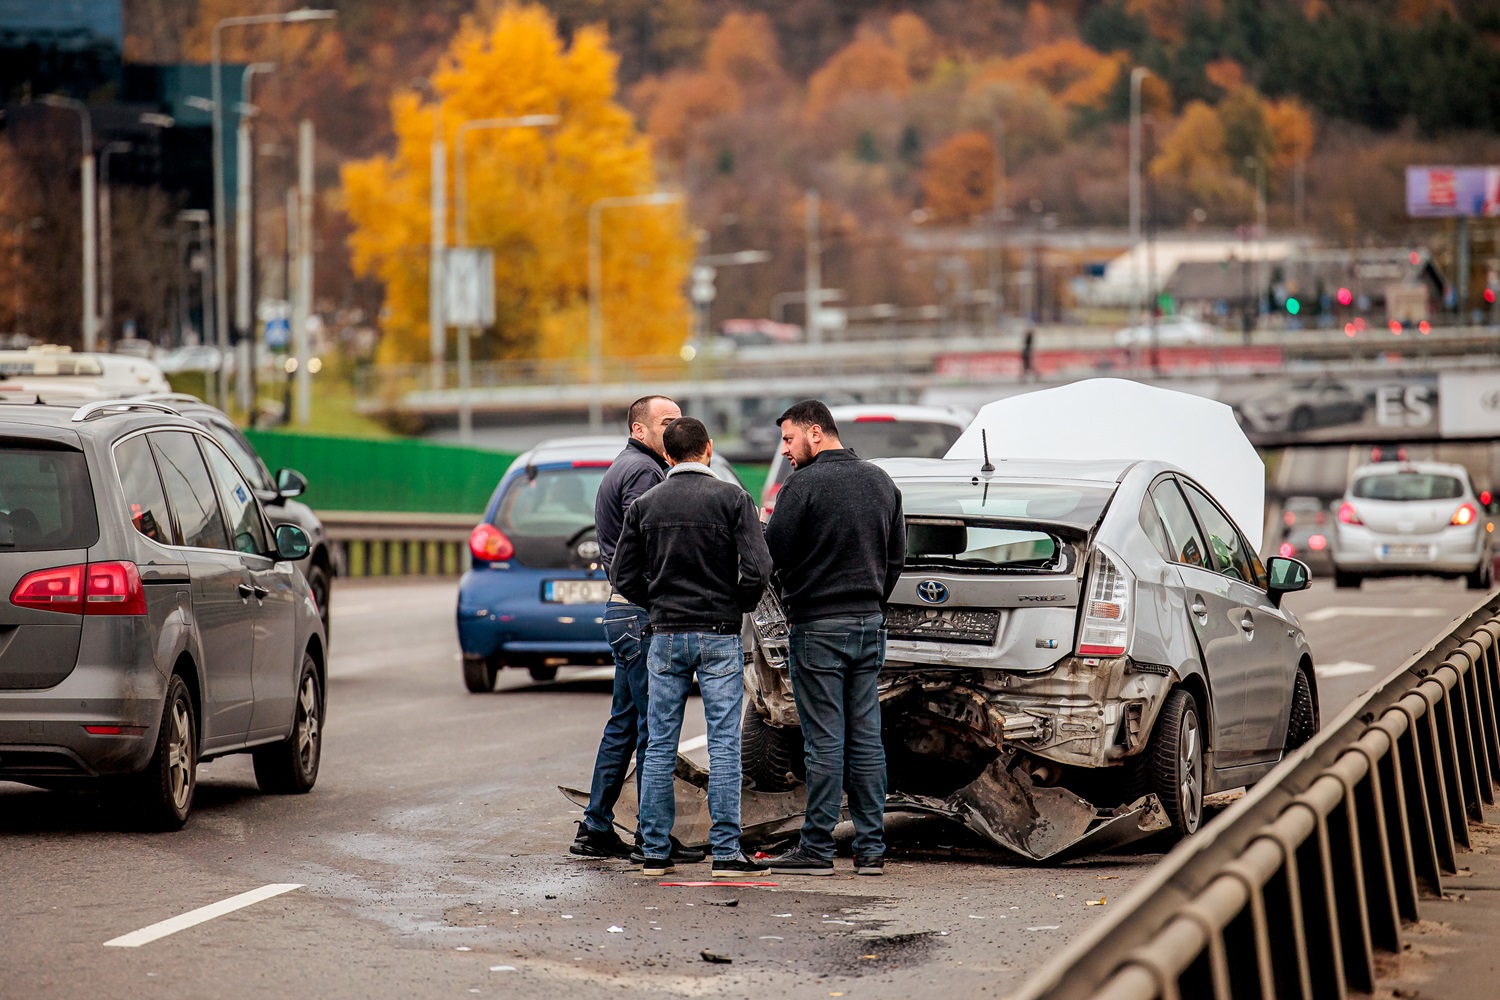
{"x":1247,"y":623}
{"x":261,"y":593}
{"x":1199,"y":608}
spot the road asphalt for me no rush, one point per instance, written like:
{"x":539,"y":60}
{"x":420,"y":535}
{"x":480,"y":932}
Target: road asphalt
{"x":430,"y":861}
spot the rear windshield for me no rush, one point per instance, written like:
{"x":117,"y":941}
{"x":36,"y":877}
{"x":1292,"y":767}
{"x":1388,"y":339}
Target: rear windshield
{"x":1408,"y":486}
{"x":1078,"y":506}
{"x":932,"y":544}
{"x":557,"y":503}
{"x":46,"y":501}
{"x":876,"y":438}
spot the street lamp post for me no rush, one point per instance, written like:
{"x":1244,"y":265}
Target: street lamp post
{"x":1260,"y":228}
{"x":90,"y":238}
{"x":461,"y":220}
{"x":199,"y":217}
{"x":596,"y":314}
{"x":1137,"y":75}
{"x":244,"y":239}
{"x":106,"y":247}
{"x":221,"y":279}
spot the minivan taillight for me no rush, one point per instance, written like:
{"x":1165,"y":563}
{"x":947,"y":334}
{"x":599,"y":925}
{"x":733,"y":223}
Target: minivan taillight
{"x":489,"y":544}
{"x":1348,"y":514}
{"x":1106,"y":610}
{"x":111,"y":588}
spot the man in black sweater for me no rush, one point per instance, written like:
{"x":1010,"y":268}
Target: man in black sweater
{"x":838,"y":541}
{"x":640,"y":466}
{"x":692,"y":554}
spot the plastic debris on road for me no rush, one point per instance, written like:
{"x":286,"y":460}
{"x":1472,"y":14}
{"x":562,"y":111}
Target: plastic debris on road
{"x":715,"y":957}
{"x":731,"y":901}
{"x":616,"y":930}
{"x":1094,"y":902}
{"x":502,"y":968}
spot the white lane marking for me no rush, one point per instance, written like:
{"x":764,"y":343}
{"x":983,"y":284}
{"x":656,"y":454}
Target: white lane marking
{"x":1338,"y":611}
{"x":202,"y":914}
{"x":696,"y":743}
{"x":1343,"y":668}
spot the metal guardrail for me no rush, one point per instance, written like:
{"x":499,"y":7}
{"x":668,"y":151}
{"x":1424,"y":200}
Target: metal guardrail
{"x":1296,"y":886}
{"x":398,"y":544}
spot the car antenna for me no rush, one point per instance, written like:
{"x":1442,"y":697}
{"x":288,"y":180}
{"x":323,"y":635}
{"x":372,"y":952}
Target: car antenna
{"x":984,"y":442}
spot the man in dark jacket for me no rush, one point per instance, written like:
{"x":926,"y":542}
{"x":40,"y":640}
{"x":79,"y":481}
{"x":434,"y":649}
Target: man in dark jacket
{"x":692,"y":553}
{"x":634,"y":471}
{"x":838,"y":541}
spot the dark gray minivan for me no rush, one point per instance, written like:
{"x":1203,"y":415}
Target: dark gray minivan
{"x":154,"y":619}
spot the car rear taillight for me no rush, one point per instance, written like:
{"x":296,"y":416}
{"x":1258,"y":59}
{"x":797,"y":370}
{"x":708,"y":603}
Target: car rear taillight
{"x":1348,"y":515}
{"x":1106,"y":611}
{"x":1289,"y":518}
{"x":1317,"y":543}
{"x":1287,"y":550}
{"x":875,"y":419}
{"x":1465,"y":514}
{"x":489,"y":543}
{"x":111,"y":588}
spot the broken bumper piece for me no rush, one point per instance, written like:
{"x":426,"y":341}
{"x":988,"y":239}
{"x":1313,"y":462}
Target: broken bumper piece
{"x":1001,"y":806}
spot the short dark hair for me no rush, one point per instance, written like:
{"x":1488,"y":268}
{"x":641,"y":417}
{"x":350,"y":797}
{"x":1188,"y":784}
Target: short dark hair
{"x":809,"y":413}
{"x":685,"y":438}
{"x":640,"y":410}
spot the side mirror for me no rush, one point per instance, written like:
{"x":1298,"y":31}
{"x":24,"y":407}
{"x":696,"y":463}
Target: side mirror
{"x":290,"y":483}
{"x":291,"y":542}
{"x":1287,"y":576}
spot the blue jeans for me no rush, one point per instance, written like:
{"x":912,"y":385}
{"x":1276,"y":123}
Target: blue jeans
{"x":720,"y":665}
{"x":835,"y":665}
{"x":625,"y":732}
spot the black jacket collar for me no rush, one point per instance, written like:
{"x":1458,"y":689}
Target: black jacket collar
{"x":640,"y":446}
{"x":832,"y":455}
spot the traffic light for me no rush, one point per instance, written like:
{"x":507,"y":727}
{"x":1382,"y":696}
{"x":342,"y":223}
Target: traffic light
{"x":1293,"y":306}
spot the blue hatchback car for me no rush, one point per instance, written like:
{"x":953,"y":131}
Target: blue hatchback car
{"x":534,"y":594}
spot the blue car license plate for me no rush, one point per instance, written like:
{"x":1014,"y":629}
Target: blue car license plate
{"x":576,"y":591}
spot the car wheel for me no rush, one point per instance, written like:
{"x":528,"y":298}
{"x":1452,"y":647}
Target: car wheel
{"x":1302,"y":419}
{"x":1302,"y":724}
{"x":291,"y":766}
{"x":1346,"y":581}
{"x":479,"y":673}
{"x":772,"y":757}
{"x":1480,"y":578}
{"x":543,"y":673}
{"x":321,"y":585}
{"x":165,"y":789}
{"x":1175,"y":758}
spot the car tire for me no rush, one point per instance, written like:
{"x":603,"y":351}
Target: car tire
{"x":1175,"y":760}
{"x":480,"y":673}
{"x":771,"y":757}
{"x":1480,"y":578}
{"x":1301,"y":419}
{"x":164,"y":791}
{"x":1302,"y":723}
{"x":1346,"y":581}
{"x":290,"y":767}
{"x":321,"y":585}
{"x":542,"y":674}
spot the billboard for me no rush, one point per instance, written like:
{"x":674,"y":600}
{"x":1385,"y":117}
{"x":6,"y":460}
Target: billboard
{"x":1446,"y":192}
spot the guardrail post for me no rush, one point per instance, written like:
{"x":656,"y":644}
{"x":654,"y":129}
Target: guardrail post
{"x":1371,"y":817}
{"x":1469,"y":731}
{"x":1247,"y":945}
{"x":1432,"y":783}
{"x":1485,"y":675}
{"x":1325,"y":954}
{"x":1448,"y":760}
{"x":1345,"y":856}
{"x":1282,"y":897}
{"x":1432,"y":845}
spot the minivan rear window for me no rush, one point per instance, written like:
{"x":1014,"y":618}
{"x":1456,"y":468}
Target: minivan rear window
{"x":1408,"y":486}
{"x":558,"y":502}
{"x":46,"y":500}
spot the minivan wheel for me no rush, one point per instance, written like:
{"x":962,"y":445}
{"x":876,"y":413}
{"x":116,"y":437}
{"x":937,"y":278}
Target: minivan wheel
{"x":290,"y":767}
{"x":165,"y":788}
{"x":1176,"y":762}
{"x":479,"y":673}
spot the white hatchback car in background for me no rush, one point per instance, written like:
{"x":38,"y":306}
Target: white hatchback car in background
{"x":1411,"y":519}
{"x":878,"y":431}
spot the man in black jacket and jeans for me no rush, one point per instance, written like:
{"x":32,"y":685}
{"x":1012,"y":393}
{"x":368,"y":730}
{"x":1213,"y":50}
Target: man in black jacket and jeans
{"x":838,"y":541}
{"x":692,"y":553}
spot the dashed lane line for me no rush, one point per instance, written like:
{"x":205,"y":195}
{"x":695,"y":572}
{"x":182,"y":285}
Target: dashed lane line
{"x":1348,"y":611}
{"x":202,"y":914}
{"x":1343,"y":668}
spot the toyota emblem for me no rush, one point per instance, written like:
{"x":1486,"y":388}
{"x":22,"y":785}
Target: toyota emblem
{"x":932,"y":591}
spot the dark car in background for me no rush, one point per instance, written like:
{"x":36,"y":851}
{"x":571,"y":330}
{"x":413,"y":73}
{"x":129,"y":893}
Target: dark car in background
{"x":277,"y":493}
{"x":1306,"y":530}
{"x":534,"y":594}
{"x":153,"y":617}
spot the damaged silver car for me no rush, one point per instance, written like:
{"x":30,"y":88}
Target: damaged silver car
{"x":1079,"y":652}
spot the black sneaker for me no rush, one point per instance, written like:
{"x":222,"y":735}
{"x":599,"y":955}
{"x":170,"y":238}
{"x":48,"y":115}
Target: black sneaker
{"x":873,"y":865}
{"x":734,"y":867}
{"x":591,"y":843}
{"x":656,"y":866}
{"x":681,"y":854}
{"x":799,"y":862}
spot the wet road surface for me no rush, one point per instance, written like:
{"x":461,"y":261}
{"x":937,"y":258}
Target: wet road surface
{"x":431,"y":857}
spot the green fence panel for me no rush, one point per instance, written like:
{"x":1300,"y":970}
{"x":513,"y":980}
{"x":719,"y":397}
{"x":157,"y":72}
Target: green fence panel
{"x":374,"y":474}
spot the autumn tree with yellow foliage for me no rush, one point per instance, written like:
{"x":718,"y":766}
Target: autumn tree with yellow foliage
{"x":529,"y":192}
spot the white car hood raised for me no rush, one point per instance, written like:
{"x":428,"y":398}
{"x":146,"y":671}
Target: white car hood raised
{"x":1117,"y":419}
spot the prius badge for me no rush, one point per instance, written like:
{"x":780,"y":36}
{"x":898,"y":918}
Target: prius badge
{"x":932,"y":591}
